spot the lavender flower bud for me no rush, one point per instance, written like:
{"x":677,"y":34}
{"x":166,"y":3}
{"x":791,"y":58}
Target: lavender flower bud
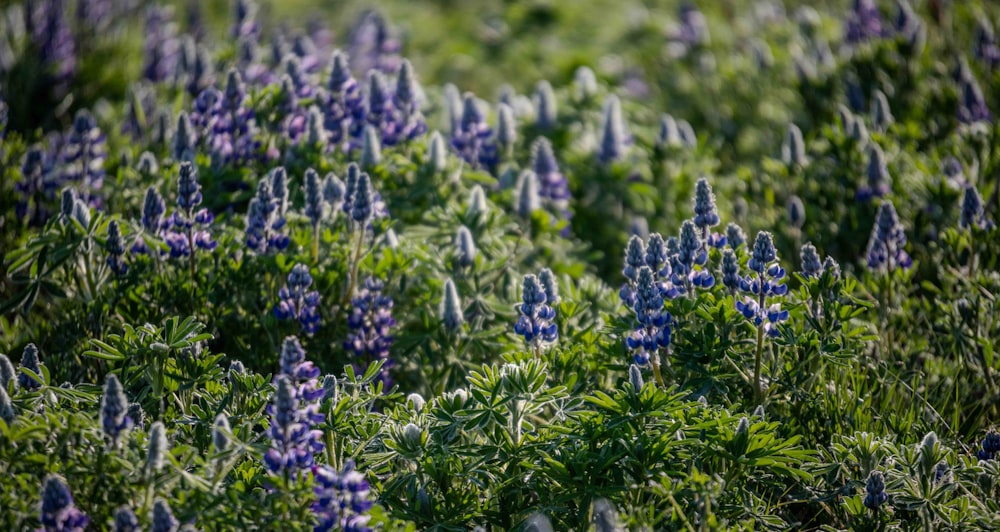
{"x":793,"y":150}
{"x":315,"y":206}
{"x":506,"y":127}
{"x":451,"y":307}
{"x":881,"y":115}
{"x":125,"y":520}
{"x":830,"y":266}
{"x":407,"y":87}
{"x":612,"y":143}
{"x":668,"y":136}
{"x":687,"y":134}
{"x":163,"y":519}
{"x":115,"y":246}
{"x":437,"y":153}
{"x":550,"y":285}
{"x":58,"y":511}
{"x":316,"y":134}
{"x":858,"y":132}
{"x":545,"y":105}
{"x":635,"y":377}
{"x":279,"y":189}
{"x":188,"y":190}
{"x":334,"y":192}
{"x":656,"y":252}
{"x":706,"y":215}
{"x":584,"y":84}
{"x":763,"y":252}
{"x":157,"y":448}
{"x":465,"y":247}
{"x":7,"y":373}
{"x":743,"y":426}
{"x":6,"y":407}
{"x":114,"y":410}
{"x":553,"y":184}
{"x":220,"y":434}
{"x":477,"y":202}
{"x":973,"y":214}
{"x":371,"y":148}
{"x":184,"y":138}
{"x":330,"y":391}
{"x":875,"y":494}
{"x":635,"y":257}
{"x":527,"y":194}
{"x":811,"y":265}
{"x":730,"y":270}
{"x":147,"y":164}
{"x":29,"y":361}
{"x":735,"y":236}
{"x":885,"y":246}
{"x":362,"y":209}
{"x":796,"y":212}
{"x":68,"y":205}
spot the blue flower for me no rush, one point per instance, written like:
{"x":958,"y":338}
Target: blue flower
{"x":296,"y":301}
{"x":764,"y":284}
{"x":863,"y":22}
{"x":84,"y":152}
{"x":342,"y":499}
{"x":652,"y":330}
{"x":114,"y":410}
{"x":58,"y":512}
{"x":875,"y":494}
{"x":990,"y":447}
{"x":115,"y":246}
{"x":125,"y":520}
{"x":973,"y":214}
{"x":811,"y":265}
{"x":293,"y":441}
{"x":885,"y":246}
{"x":29,"y":361}
{"x":473,"y":138}
{"x":614,"y":139}
{"x":535,"y":321}
{"x":163,"y":519}
{"x":370,"y":324}
{"x":730,"y":270}
{"x":878,"y":176}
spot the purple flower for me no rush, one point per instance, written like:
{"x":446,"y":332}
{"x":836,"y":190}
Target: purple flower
{"x":552,"y":183}
{"x":878,"y":184}
{"x":296,"y":301}
{"x":344,"y":105}
{"x":875,"y":494}
{"x":342,"y":499}
{"x":535,"y":323}
{"x":372,"y":45}
{"x":50,"y":33}
{"x":763,"y":284}
{"x":160,"y":48}
{"x":863,"y":22}
{"x":114,"y":410}
{"x":265,"y":217}
{"x":58,"y":512}
{"x":990,"y":447}
{"x":652,"y":330}
{"x":84,"y":152}
{"x":115,"y":246}
{"x":473,"y":138}
{"x":370,"y":323}
{"x":293,"y":440}
{"x":885,"y":246}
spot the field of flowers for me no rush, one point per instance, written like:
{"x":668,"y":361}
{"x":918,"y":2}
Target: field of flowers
{"x":527,"y":265}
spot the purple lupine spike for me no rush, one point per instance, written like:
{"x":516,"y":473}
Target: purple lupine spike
{"x":33,"y":189}
{"x":473,"y":139}
{"x":160,"y":48}
{"x":52,"y":37}
{"x":84,"y":152}
{"x":863,"y":22}
{"x":535,"y":322}
{"x":296,"y":301}
{"x":244,"y":20}
{"x":552,"y":183}
{"x":294,"y":442}
{"x":759,"y":306}
{"x":342,"y":499}
{"x":885,"y":246}
{"x":370,"y":324}
{"x":372,"y":45}
{"x":58,"y":511}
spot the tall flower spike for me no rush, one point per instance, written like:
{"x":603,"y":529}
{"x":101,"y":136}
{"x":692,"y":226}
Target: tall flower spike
{"x":334,"y":193}
{"x":793,"y":150}
{"x":652,"y":330}
{"x":552,"y":183}
{"x":613,"y":138}
{"x":477,"y":202}
{"x":58,"y":512}
{"x":29,"y":361}
{"x":114,"y":410}
{"x":811,"y":264}
{"x":796,"y":212}
{"x":706,"y":214}
{"x":545,"y":106}
{"x":635,"y":258}
{"x":535,"y":321}
{"x":296,"y":301}
{"x":279,"y":189}
{"x":973,"y":214}
{"x":735,"y":236}
{"x":550,"y":285}
{"x":506,"y":128}
{"x":370,"y":323}
{"x":125,"y":520}
{"x":6,"y":407}
{"x":371,"y":148}
{"x":875,"y":494}
{"x":362,"y":209}
{"x":881,"y":114}
{"x":465,"y":247}
{"x":669,"y":135}
{"x":163,"y":519}
{"x":451,"y":307}
{"x":220,"y":434}
{"x":147,"y":165}
{"x":7,"y":373}
{"x":990,"y":446}
{"x":315,"y":206}
{"x":437,"y":153}
{"x":877,"y":172}
{"x":342,"y":499}
{"x":527,"y":194}
{"x":766,"y":284}
{"x":184,"y":138}
{"x":885,"y":246}
{"x":472,"y":138}
{"x":188,"y":190}
{"x":730,"y":270}
{"x":157,"y":449}
{"x":115,"y":246}
{"x":584,"y":83}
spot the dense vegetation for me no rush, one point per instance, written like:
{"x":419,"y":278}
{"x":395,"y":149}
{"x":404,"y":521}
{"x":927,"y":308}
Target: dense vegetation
{"x":720,"y":266}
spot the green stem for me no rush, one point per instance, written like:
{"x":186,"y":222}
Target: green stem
{"x":757,"y":394}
